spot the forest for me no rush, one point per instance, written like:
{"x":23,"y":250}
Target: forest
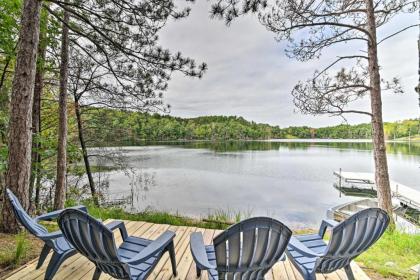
{"x":115,"y":127}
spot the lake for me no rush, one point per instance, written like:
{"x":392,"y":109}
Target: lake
{"x":288,"y":180}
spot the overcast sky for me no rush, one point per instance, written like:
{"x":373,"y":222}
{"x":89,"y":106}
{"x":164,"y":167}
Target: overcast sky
{"x":250,"y":76}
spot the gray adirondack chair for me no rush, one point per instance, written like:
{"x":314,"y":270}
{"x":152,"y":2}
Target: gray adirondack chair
{"x":135,"y":258}
{"x":246,"y":250}
{"x":311,"y":254}
{"x":53,"y":241}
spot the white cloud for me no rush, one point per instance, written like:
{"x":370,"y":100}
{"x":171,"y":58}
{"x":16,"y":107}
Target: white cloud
{"x":250,"y":76}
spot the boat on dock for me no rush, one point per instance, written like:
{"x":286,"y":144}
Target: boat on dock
{"x":404,"y":217}
{"x":364,"y":184}
{"x":405,"y":200}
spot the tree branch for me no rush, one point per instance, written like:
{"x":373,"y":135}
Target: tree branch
{"x":398,"y":32}
{"x":338,"y":60}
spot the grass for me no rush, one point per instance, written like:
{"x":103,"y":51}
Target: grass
{"x":220,"y":220}
{"x":17,"y":249}
{"x":80,"y":170}
{"x":414,"y":138}
{"x":393,"y":256}
{"x":21,"y":247}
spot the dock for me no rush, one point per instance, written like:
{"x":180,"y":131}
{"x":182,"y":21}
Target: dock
{"x":404,"y":194}
{"x":78,"y":267}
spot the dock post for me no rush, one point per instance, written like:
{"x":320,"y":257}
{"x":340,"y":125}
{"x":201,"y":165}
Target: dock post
{"x":339,"y":183}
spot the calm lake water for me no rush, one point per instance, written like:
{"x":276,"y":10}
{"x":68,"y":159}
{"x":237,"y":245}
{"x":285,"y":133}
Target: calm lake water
{"x":291,"y":181}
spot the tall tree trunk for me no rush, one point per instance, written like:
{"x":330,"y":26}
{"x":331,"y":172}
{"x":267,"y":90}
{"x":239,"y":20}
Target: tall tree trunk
{"x":36,"y":119}
{"x":84,"y":151}
{"x":381,"y":165}
{"x":20,"y":136}
{"x":60,"y":189}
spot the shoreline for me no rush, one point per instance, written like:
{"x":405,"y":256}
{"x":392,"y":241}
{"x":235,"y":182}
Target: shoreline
{"x":144,"y":142}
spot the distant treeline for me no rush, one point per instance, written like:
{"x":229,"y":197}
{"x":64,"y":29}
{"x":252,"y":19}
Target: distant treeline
{"x":108,"y":127}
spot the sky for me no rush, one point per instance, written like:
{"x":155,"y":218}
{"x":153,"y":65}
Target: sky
{"x":249,"y":74}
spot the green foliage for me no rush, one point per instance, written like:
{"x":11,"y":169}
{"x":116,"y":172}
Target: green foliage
{"x":114,"y":127}
{"x":9,"y":26}
{"x":393,"y":255}
{"x":393,"y":130}
{"x":9,"y":29}
{"x":134,"y":127}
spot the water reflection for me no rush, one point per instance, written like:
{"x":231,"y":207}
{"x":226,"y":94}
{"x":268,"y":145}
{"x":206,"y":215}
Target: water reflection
{"x":292,"y":181}
{"x":403,"y":148}
{"x":141,"y":183}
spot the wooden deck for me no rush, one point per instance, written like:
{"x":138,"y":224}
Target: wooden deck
{"x":78,"y":267}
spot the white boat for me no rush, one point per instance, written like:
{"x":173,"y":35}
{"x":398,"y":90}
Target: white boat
{"x":363,"y":184}
{"x":404,"y":222}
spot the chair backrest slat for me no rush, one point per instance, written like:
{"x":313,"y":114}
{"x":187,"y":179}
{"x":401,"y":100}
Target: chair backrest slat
{"x":248,"y":249}
{"x":248,"y":238}
{"x":261,"y":245}
{"x":273,"y":248}
{"x":93,"y":240}
{"x":352,"y":237}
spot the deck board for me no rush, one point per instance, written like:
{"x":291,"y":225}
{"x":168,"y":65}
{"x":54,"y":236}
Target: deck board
{"x":80,"y":268}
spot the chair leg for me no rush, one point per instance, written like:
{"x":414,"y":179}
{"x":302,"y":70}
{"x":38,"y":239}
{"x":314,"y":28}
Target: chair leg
{"x":349,"y":272}
{"x":97,"y":274}
{"x":308,"y":276}
{"x":198,"y":271}
{"x":55,"y":262}
{"x":44,"y":253}
{"x":171,"y":250}
{"x":311,"y":277}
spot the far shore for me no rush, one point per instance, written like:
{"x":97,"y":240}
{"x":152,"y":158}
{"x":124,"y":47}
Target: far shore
{"x":142,"y":142}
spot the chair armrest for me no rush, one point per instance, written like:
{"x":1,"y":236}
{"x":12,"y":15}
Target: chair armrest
{"x":51,"y":235}
{"x":198,"y":251}
{"x":326,"y":223}
{"x":299,"y":247}
{"x":157,"y":245}
{"x":118,"y":225}
{"x":54,"y":214}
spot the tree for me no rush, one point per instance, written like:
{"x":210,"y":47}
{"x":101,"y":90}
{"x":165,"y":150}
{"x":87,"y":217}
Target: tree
{"x":35,"y":179}
{"x":310,"y":27}
{"x":129,"y":29}
{"x":20,"y":136}
{"x":60,"y":189}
